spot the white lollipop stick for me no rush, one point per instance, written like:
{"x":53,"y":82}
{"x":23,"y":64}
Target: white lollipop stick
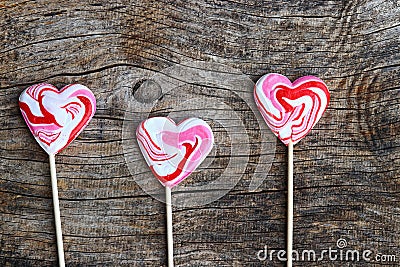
{"x":60,"y":246}
{"x":290,"y":206}
{"x":170,"y":239}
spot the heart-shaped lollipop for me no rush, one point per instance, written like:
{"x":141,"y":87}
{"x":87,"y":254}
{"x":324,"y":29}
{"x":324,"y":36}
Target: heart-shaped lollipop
{"x":173,"y":151}
{"x":291,"y":109}
{"x":56,"y":117}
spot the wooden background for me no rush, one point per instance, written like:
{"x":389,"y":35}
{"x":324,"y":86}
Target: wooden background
{"x":347,"y":175}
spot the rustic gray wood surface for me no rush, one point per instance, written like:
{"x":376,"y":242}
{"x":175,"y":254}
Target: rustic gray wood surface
{"x":347,"y":170}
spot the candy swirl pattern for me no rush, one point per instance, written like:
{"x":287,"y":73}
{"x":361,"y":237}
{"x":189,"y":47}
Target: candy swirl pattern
{"x":173,"y":151}
{"x":291,"y":109}
{"x":56,"y":117}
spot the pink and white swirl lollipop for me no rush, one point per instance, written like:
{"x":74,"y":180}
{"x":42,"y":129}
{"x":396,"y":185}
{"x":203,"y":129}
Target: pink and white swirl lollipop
{"x":291,"y":110}
{"x":173,"y":152}
{"x":55,"y":118}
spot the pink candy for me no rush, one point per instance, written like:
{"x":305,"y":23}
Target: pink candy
{"x":56,"y":117}
{"x":173,"y":151}
{"x":291,"y":109}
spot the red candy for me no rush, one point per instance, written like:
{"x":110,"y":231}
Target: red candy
{"x":56,"y":117}
{"x":291,"y":109}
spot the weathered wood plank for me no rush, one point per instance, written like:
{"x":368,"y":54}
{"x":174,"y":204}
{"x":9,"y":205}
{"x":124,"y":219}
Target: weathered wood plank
{"x":346,"y":171}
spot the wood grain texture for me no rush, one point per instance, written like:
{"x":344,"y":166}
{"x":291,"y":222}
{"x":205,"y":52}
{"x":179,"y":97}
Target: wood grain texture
{"x":347,"y":170}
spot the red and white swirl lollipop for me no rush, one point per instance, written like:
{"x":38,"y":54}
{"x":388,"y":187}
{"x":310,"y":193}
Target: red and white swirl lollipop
{"x":55,"y":118}
{"x":173,"y":152}
{"x":291,"y":110}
